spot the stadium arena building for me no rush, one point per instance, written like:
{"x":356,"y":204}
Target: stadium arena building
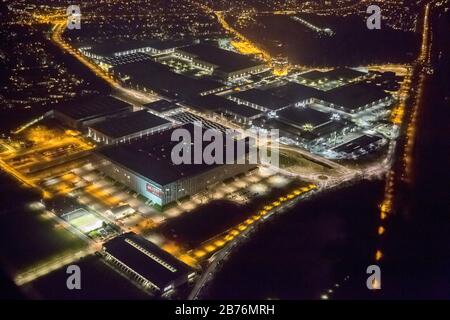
{"x":146,"y":167}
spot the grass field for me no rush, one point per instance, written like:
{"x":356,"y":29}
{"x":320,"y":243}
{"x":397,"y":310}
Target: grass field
{"x":28,"y":238}
{"x":98,"y":281}
{"x":87,"y":222}
{"x":290,"y":159}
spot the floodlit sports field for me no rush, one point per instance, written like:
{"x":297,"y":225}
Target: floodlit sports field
{"x":85,"y":221}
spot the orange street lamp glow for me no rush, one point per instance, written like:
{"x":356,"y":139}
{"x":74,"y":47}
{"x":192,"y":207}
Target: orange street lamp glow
{"x":378,"y":255}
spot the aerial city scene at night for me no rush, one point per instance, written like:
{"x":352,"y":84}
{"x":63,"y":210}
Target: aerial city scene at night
{"x":217,"y":150}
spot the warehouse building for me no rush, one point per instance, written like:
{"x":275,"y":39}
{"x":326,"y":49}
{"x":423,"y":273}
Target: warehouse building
{"x":360,"y":146}
{"x":262,"y":100}
{"x":127,"y":127}
{"x":214,"y":104}
{"x":120,"y":49}
{"x":151,"y":76}
{"x":305,"y":126}
{"x":208,"y":104}
{"x":82,"y":114}
{"x":355,"y":98}
{"x":306,"y":119}
{"x":226,"y":64}
{"x":296,"y":94}
{"x":146,"y":167}
{"x":163,"y":107}
{"x":189,"y":117}
{"x":240,"y":113}
{"x":115,"y":49}
{"x":146,"y":263}
{"x":108,"y":62}
{"x":327,"y":80}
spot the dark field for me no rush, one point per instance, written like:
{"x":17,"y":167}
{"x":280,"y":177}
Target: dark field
{"x":305,"y":251}
{"x":195,"y":227}
{"x":353,"y":44}
{"x":26,"y":237}
{"x":98,"y":281}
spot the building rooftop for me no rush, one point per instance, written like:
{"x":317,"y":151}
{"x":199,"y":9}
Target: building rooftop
{"x":329,"y":128}
{"x":262,"y":98}
{"x":110,"y":48}
{"x":221,"y":104}
{"x":128,"y":124}
{"x":161,"y":106}
{"x":354,"y":96}
{"x":170,"y":44}
{"x":225,"y":60}
{"x":160,"y":78}
{"x":129,"y":58}
{"x":344,"y":74}
{"x":315,"y":133}
{"x":147,"y":259}
{"x":94,"y":108}
{"x":357,"y":144}
{"x":313,"y":75}
{"x":295,"y":92}
{"x":241,"y":110}
{"x":189,"y":117}
{"x":150,"y":157}
{"x":208,"y":103}
{"x":300,"y":116}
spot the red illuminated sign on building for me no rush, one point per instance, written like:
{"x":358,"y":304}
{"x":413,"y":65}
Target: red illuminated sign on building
{"x":153,"y":190}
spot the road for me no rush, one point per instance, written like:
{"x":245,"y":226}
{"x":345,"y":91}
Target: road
{"x":216,"y":259}
{"x":126,"y":94}
{"x":348,"y":175}
{"x":402,"y":165}
{"x":52,"y":265}
{"x":60,"y":261}
{"x":386,"y":206}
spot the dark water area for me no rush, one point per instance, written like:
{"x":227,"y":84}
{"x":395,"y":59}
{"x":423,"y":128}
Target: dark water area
{"x":306,"y":251}
{"x":352,"y":44}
